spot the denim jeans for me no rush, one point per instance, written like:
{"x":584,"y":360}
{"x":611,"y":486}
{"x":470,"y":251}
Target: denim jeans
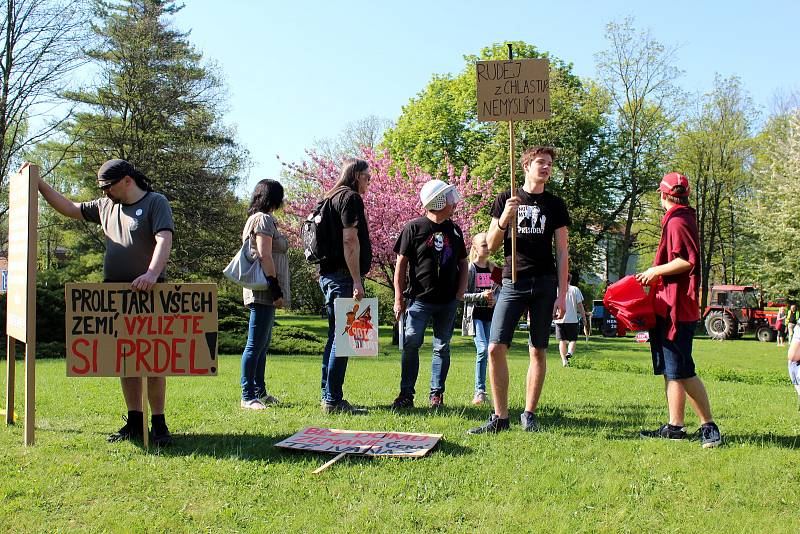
{"x":481,"y":340}
{"x":416,"y":320}
{"x":254,"y":356}
{"x":333,"y":285}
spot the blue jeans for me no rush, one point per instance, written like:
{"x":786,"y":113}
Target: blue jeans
{"x":254,"y":357}
{"x":333,"y":285}
{"x":481,"y":340}
{"x":416,"y":320}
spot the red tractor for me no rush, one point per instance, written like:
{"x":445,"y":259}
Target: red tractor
{"x":736,"y":310}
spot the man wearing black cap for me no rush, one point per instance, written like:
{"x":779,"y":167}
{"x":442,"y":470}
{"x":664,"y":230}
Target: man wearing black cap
{"x":675,"y":275}
{"x":138,"y":226}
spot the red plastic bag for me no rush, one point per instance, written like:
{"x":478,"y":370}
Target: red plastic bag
{"x":628,"y":301}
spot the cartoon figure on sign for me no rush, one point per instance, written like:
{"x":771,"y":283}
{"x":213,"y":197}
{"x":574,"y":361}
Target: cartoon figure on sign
{"x":359,"y":327}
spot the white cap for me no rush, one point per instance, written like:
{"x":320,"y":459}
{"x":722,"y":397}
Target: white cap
{"x":435,"y":194}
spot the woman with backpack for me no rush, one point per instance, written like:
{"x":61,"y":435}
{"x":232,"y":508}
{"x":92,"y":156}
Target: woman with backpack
{"x":270,"y":246}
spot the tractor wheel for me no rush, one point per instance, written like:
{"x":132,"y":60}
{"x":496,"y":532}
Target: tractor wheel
{"x":766,"y":334}
{"x":720,"y":325}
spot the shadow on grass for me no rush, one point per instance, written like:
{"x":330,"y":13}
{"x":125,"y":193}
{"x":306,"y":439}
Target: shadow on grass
{"x":260,"y":447}
{"x":762,"y":440}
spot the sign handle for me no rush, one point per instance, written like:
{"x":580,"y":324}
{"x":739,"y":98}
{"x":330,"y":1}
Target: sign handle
{"x":30,"y":391}
{"x":10,"y":378}
{"x":329,"y":463}
{"x":513,"y":222}
{"x":145,"y":406}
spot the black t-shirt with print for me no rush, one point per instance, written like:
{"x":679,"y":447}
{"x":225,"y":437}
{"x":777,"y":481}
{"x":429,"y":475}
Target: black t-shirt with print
{"x":347,"y":211}
{"x":433,"y":252}
{"x":483,"y":282}
{"x":538,"y":217}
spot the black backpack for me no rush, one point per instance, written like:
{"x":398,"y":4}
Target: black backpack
{"x":316,"y":233}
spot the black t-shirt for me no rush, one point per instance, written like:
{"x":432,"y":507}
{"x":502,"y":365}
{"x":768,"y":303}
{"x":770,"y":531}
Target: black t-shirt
{"x":434,"y":252}
{"x":483,"y":282}
{"x":538,"y":217}
{"x":346,"y":210}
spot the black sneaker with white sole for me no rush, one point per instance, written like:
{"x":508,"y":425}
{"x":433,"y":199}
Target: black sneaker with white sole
{"x":493,"y":426}
{"x":710,"y":435}
{"x":675,"y":433}
{"x":528,"y":421}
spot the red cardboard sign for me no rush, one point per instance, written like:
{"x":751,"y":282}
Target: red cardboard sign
{"x":400,"y":444}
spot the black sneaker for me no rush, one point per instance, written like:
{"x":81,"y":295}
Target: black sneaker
{"x":403,"y":401}
{"x":528,"y":422}
{"x":675,"y":433}
{"x":710,"y":435}
{"x":341,"y":406}
{"x":493,"y":426}
{"x":437,"y":400}
{"x":161,"y":437}
{"x":132,"y":429}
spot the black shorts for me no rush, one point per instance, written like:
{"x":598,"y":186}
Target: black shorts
{"x":535,"y":295}
{"x":673,"y":359}
{"x":567,"y":331}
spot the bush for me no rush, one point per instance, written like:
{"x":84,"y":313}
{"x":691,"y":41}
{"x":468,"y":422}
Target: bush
{"x":304,"y":281}
{"x":50,"y":314}
{"x":285,"y":340}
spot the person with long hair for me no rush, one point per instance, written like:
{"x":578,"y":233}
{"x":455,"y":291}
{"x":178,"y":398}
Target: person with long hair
{"x":342,"y":274}
{"x":270,"y":246}
{"x":478,"y":310}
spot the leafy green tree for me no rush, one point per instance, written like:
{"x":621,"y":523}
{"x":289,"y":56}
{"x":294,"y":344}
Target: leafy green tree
{"x":440,"y":127}
{"x":158,"y":106}
{"x":639,"y":74}
{"x":714,"y":147}
{"x":772,"y":213}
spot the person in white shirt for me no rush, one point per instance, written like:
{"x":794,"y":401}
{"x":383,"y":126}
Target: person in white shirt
{"x":567,"y":326}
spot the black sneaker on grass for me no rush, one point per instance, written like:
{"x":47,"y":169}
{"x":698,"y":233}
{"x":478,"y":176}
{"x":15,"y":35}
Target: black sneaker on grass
{"x":675,"y":433}
{"x":133,"y":429}
{"x":528,"y":422}
{"x":403,"y":401}
{"x":710,"y":435}
{"x":493,"y":426}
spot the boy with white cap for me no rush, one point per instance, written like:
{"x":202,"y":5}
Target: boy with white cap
{"x":430,"y":278}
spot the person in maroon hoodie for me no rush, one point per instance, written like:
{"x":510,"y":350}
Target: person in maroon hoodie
{"x":675,"y":275}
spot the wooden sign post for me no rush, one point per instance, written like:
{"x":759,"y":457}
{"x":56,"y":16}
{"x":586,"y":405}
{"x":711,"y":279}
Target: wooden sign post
{"x":508,"y":91}
{"x":23,"y":212}
{"x":114,"y":330}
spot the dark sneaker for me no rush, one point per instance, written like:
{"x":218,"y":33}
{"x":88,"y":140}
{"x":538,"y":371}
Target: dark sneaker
{"x":710,"y":435}
{"x":667,"y":431}
{"x":528,"y":422}
{"x":131,"y":430}
{"x":341,"y":406}
{"x":161,"y":437}
{"x":403,"y":402}
{"x":493,"y":426}
{"x":437,"y":400}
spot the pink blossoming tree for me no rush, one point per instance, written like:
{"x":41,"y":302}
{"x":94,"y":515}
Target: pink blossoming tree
{"x":391,"y":201}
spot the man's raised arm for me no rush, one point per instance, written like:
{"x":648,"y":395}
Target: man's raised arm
{"x":59,"y":202}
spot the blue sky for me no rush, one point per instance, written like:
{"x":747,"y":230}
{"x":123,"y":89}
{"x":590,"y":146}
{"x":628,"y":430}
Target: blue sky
{"x":300,"y":71}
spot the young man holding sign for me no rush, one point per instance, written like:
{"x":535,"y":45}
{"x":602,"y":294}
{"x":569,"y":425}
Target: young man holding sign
{"x":138,"y":226}
{"x":541,"y":285}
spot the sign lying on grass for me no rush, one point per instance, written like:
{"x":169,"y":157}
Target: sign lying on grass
{"x":356,"y":327}
{"x":514,"y":89}
{"x":401,"y":444}
{"x":113,"y":330}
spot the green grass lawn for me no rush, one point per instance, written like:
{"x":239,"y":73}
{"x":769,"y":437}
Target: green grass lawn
{"x":587,"y":471}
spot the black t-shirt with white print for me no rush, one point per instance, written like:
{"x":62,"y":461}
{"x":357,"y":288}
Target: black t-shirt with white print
{"x":434,"y":252}
{"x":538,"y":217}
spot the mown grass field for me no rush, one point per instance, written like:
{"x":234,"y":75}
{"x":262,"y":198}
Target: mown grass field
{"x":587,"y":471}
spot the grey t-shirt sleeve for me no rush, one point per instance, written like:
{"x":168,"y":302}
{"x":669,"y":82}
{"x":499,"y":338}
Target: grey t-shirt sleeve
{"x":91,"y":210}
{"x":161,"y":215}
{"x":265,"y":225}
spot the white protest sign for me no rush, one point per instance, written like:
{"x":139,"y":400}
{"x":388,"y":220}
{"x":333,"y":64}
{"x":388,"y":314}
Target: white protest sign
{"x":356,"y":327}
{"x":331,"y":440}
